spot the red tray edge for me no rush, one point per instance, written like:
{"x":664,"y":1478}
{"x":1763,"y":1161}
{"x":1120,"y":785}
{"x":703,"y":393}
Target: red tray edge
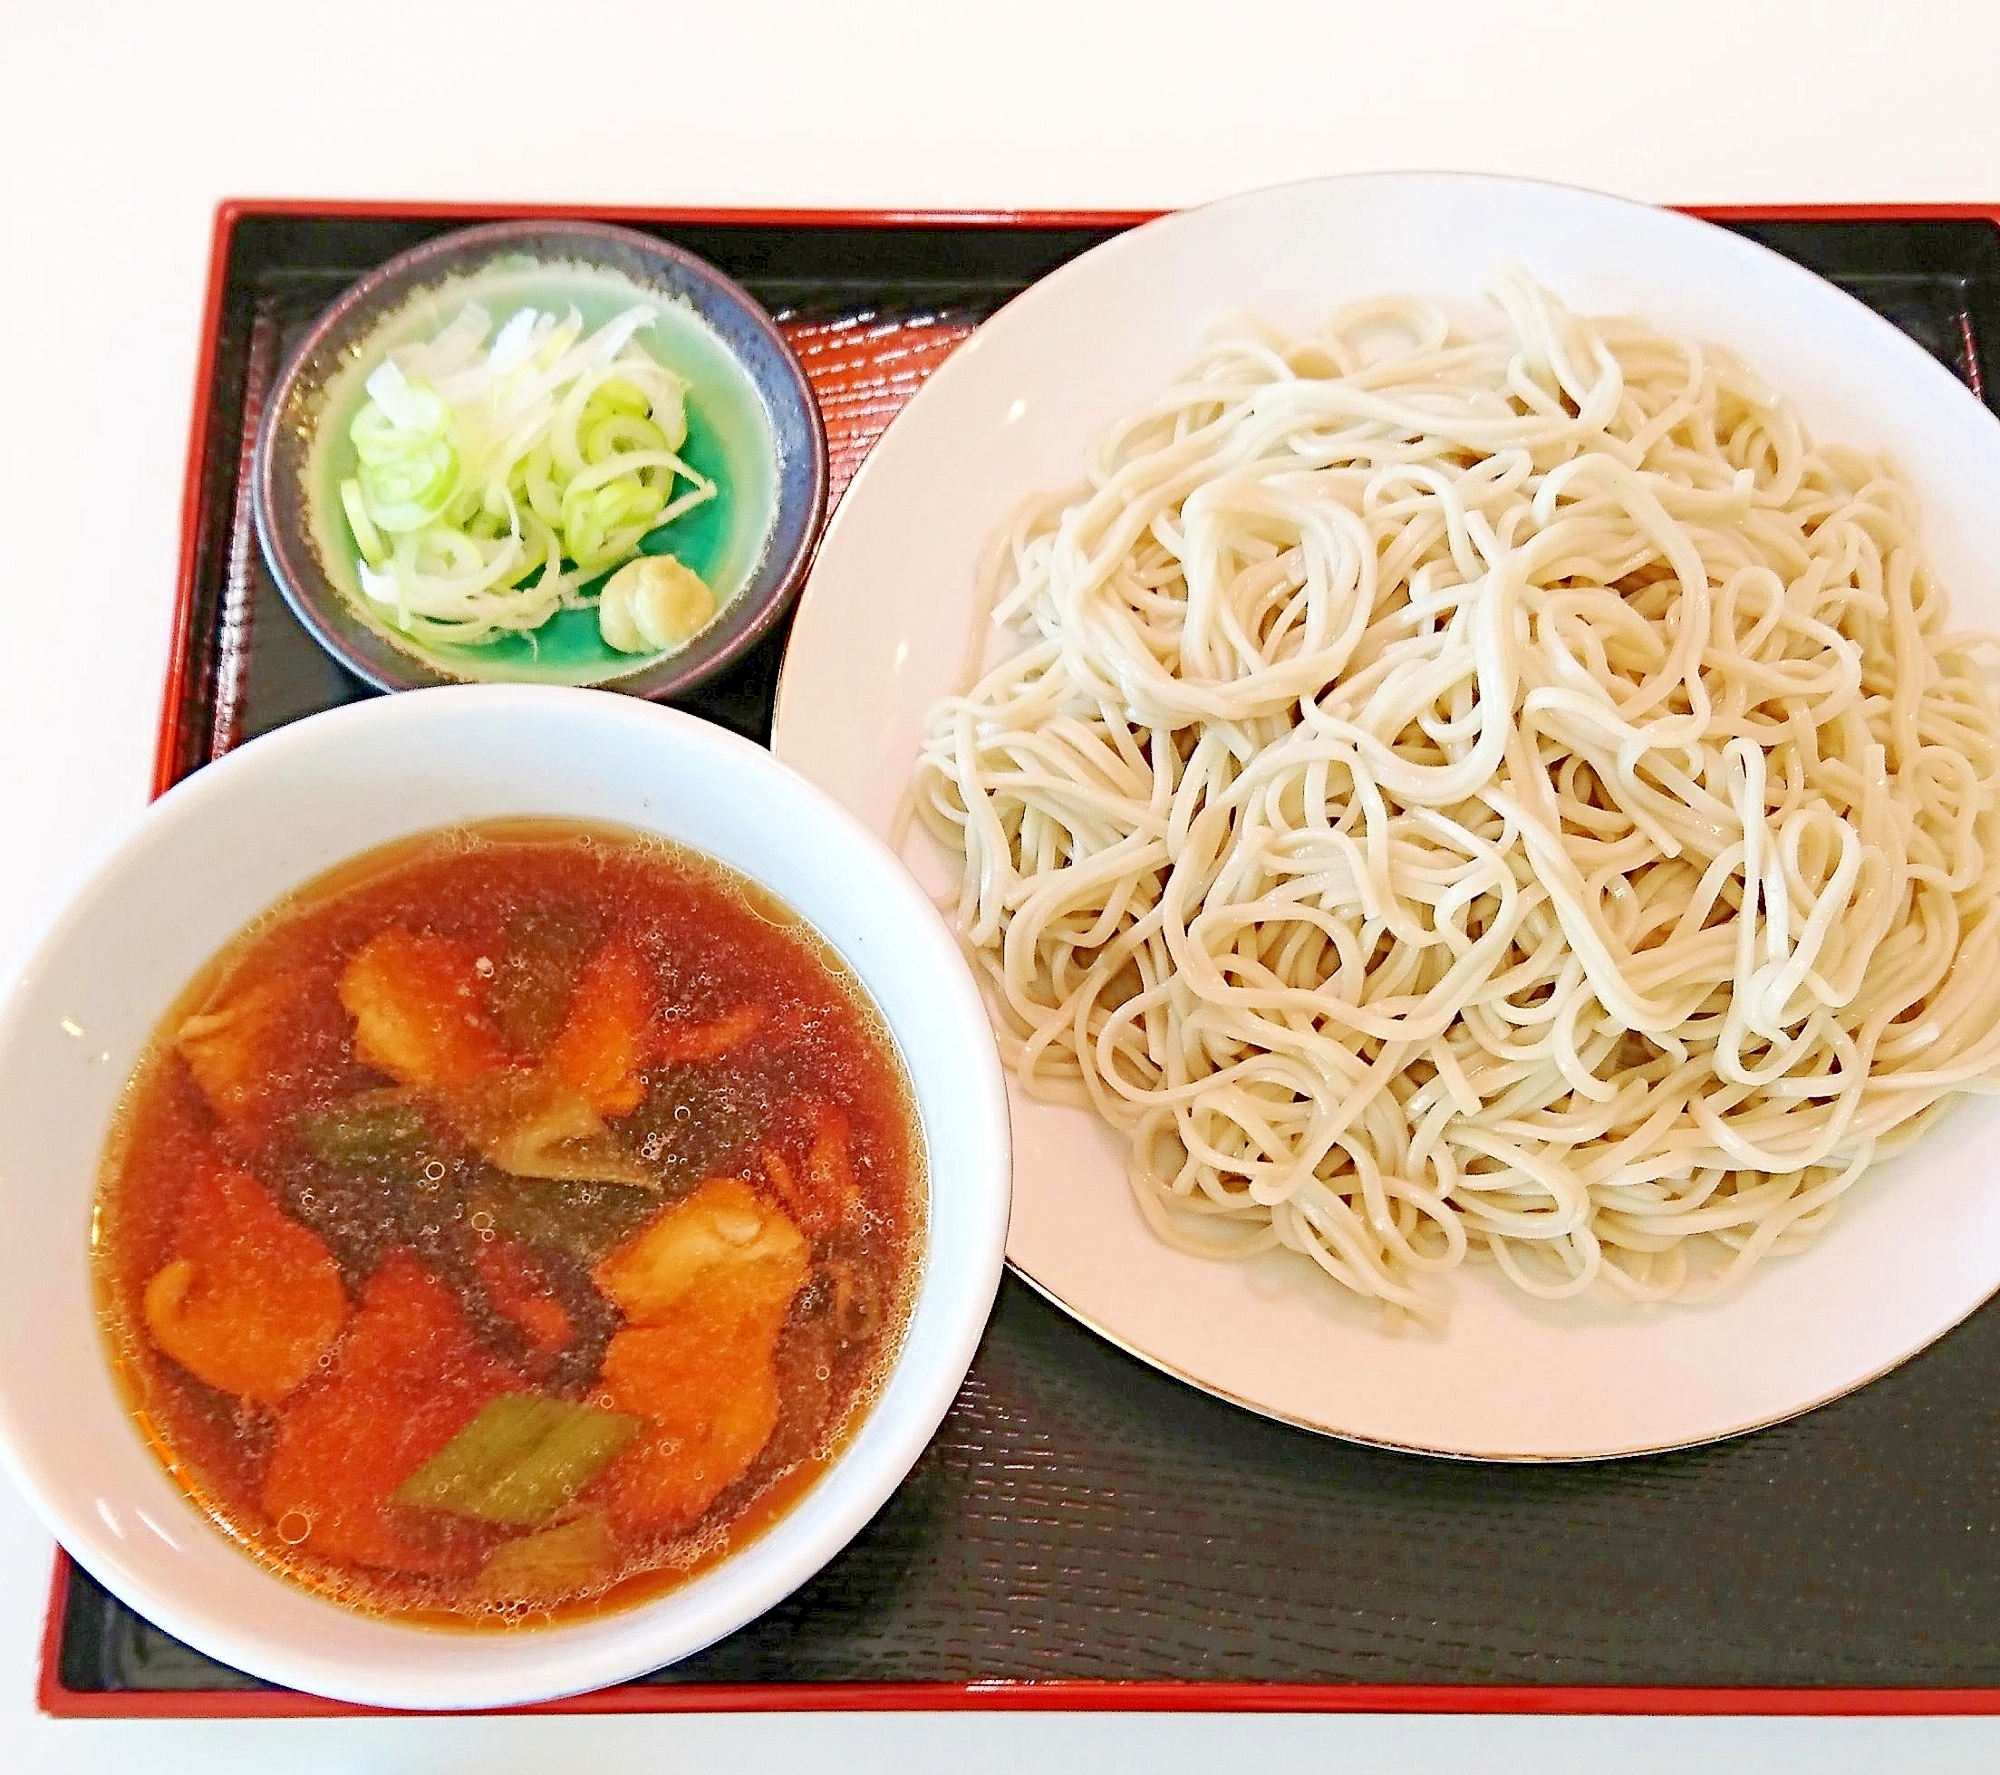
{"x":1057,"y":1696}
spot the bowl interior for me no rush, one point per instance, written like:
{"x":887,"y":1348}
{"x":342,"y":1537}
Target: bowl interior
{"x":752,"y":428}
{"x":213,"y":854}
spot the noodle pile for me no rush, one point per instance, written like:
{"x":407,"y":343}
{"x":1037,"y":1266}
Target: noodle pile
{"x":1505,"y":797}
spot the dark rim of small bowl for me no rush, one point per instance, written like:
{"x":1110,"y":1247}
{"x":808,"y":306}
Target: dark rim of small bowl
{"x":798,"y":436}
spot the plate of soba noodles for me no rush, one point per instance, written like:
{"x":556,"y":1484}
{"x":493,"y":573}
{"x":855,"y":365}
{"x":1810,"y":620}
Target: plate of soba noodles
{"x":1452,"y":721}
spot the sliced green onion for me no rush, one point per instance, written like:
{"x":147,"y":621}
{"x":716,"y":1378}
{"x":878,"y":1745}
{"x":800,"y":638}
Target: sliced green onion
{"x":604,"y":438}
{"x":519,"y":1461}
{"x":373,"y":549}
{"x":551,"y":1565}
{"x":540,"y":482}
{"x":560,"y":339}
{"x":545,"y":456}
{"x":617,"y":395}
{"x":384,"y":1135}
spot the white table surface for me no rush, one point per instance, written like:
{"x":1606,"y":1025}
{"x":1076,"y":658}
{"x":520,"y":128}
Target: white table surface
{"x":123,"y":126}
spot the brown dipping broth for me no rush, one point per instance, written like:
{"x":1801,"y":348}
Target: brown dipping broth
{"x":501,"y":1280}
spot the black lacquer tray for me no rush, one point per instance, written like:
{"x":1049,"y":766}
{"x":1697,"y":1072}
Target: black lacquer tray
{"x":1085,"y":1532}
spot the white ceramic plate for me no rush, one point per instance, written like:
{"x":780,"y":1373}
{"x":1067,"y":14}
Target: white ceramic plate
{"x":884,"y":622}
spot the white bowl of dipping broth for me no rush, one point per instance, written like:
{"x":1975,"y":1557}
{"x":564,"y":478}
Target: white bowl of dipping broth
{"x":220,"y":848}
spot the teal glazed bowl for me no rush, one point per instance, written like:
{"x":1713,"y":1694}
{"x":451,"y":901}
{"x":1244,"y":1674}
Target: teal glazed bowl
{"x":753,"y":428}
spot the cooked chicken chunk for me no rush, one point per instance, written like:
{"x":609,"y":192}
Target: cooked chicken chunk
{"x":228,"y":1049}
{"x":705,"y":1290}
{"x":418,"y":1008}
{"x":251,"y":1300}
{"x":699,"y":1042}
{"x":406,"y":1379}
{"x":603,"y":1040}
{"x":723,"y":1244}
{"x":827,"y":1195}
{"x":830,"y":1167}
{"x":709,"y":1393}
{"x":535,"y":1124}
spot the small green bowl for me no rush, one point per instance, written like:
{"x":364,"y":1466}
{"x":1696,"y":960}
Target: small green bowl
{"x":753,"y":428}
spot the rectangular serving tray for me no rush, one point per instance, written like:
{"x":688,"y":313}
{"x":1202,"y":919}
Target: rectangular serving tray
{"x":1085,"y":1532}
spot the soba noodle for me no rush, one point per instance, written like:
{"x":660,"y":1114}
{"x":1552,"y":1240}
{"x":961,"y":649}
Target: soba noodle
{"x":1502,"y":796}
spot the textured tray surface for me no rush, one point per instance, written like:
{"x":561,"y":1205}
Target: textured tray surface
{"x":1080,"y":1516}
